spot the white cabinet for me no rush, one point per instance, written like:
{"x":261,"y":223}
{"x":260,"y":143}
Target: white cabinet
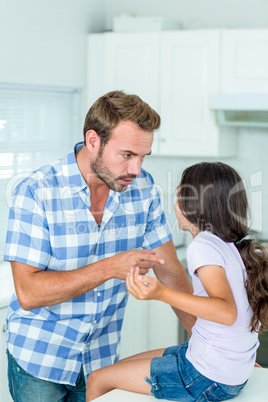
{"x":190,"y":65}
{"x":244,"y":61}
{"x":124,"y":61}
{"x":148,"y":325}
{"x":4,"y":392}
{"x":128,"y":62}
{"x":175,"y":72}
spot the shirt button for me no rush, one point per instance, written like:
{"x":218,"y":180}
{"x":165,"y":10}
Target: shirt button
{"x":99,"y":294}
{"x":84,"y":348}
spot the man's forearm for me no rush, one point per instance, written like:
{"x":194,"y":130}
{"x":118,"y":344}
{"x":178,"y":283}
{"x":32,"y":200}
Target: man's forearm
{"x":39,"y":288}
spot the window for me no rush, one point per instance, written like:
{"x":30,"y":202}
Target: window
{"x":37,"y":126}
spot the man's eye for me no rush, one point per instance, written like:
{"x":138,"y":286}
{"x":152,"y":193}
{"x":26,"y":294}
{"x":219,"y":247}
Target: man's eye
{"x":126,"y":155}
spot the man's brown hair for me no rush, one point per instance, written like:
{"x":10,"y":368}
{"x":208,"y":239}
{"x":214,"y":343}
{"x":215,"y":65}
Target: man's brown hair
{"x":113,"y":107}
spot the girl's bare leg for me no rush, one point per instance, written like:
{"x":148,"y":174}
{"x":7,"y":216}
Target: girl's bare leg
{"x":144,"y":355}
{"x":127,"y":374}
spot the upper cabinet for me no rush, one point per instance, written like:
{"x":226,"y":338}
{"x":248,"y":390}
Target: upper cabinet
{"x":190,"y":62}
{"x":176,"y":73}
{"x":244,"y":61}
{"x":128,"y":62}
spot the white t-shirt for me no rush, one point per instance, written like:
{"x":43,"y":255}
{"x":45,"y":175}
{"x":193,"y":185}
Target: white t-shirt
{"x":224,"y":354}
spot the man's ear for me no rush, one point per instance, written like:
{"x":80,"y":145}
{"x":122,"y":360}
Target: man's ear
{"x":92,"y":140}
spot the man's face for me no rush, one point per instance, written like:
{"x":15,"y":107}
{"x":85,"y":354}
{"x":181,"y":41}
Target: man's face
{"x":119,"y":162}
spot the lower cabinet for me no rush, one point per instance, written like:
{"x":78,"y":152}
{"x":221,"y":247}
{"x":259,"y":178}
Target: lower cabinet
{"x":262,"y":352}
{"x":148,"y":325}
{"x":4,"y":392}
{"x":151,"y":324}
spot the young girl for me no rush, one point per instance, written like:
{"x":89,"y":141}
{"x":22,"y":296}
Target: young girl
{"x":230,"y":280}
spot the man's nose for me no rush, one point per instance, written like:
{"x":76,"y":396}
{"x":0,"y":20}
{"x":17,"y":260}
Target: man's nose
{"x":134,"y":167}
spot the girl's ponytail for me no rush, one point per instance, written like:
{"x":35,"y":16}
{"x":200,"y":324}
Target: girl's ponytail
{"x":255,"y":259}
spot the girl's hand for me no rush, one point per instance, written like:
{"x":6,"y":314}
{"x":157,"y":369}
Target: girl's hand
{"x":143,"y":287}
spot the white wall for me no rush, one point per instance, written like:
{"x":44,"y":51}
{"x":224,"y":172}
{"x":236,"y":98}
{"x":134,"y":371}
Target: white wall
{"x":44,"y":42}
{"x":196,"y":13}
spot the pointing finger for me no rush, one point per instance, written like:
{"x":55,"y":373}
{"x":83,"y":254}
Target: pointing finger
{"x":150,"y":256}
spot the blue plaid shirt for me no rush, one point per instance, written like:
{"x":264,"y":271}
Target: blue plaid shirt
{"x":51,"y":227}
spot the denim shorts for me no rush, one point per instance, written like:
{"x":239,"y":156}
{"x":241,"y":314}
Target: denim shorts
{"x":174,"y":377}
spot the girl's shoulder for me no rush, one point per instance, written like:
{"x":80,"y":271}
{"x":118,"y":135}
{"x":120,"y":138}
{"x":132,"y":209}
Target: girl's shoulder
{"x":206,"y":249}
{"x":208,"y":239}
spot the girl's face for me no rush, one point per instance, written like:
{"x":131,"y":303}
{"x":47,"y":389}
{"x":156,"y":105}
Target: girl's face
{"x":183,"y":222}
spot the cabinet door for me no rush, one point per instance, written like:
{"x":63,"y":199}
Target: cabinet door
{"x":124,"y":61}
{"x":135,"y":330}
{"x":148,"y":325}
{"x":4,"y":392}
{"x":245,"y":61}
{"x":189,"y":75}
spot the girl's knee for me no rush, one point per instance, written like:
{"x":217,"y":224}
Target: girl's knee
{"x":93,"y":378}
{"x":95,"y":385}
{"x":96,"y":380}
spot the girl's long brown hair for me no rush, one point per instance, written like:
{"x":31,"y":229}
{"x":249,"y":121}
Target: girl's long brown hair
{"x":212,"y":197}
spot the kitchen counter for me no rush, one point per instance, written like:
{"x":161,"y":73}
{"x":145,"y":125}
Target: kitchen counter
{"x":6,"y":284}
{"x":255,"y":390}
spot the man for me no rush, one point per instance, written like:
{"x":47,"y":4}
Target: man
{"x":76,"y":227}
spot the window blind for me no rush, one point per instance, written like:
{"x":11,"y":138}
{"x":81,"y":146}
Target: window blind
{"x":38,"y":124}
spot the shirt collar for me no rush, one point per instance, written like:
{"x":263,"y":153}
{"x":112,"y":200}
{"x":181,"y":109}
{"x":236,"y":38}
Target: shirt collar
{"x":71,"y":172}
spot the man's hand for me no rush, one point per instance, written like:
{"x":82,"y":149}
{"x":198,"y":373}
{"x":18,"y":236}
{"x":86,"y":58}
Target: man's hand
{"x":143,"y":287}
{"x":123,"y":262}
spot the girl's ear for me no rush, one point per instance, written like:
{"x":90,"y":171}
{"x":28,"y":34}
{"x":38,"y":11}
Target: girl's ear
{"x":92,"y":140}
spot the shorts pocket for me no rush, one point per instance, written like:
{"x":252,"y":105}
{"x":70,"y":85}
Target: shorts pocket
{"x":220,"y":392}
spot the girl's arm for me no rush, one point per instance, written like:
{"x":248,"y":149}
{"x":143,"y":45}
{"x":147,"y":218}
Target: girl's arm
{"x":219,"y":306}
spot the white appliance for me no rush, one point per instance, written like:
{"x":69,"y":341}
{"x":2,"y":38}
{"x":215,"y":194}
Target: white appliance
{"x":241,"y":110}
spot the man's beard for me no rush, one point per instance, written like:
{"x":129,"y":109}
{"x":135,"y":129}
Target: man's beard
{"x":104,"y":174}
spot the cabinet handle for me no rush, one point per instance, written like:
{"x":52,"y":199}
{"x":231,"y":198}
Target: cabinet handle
{"x":4,"y":328}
